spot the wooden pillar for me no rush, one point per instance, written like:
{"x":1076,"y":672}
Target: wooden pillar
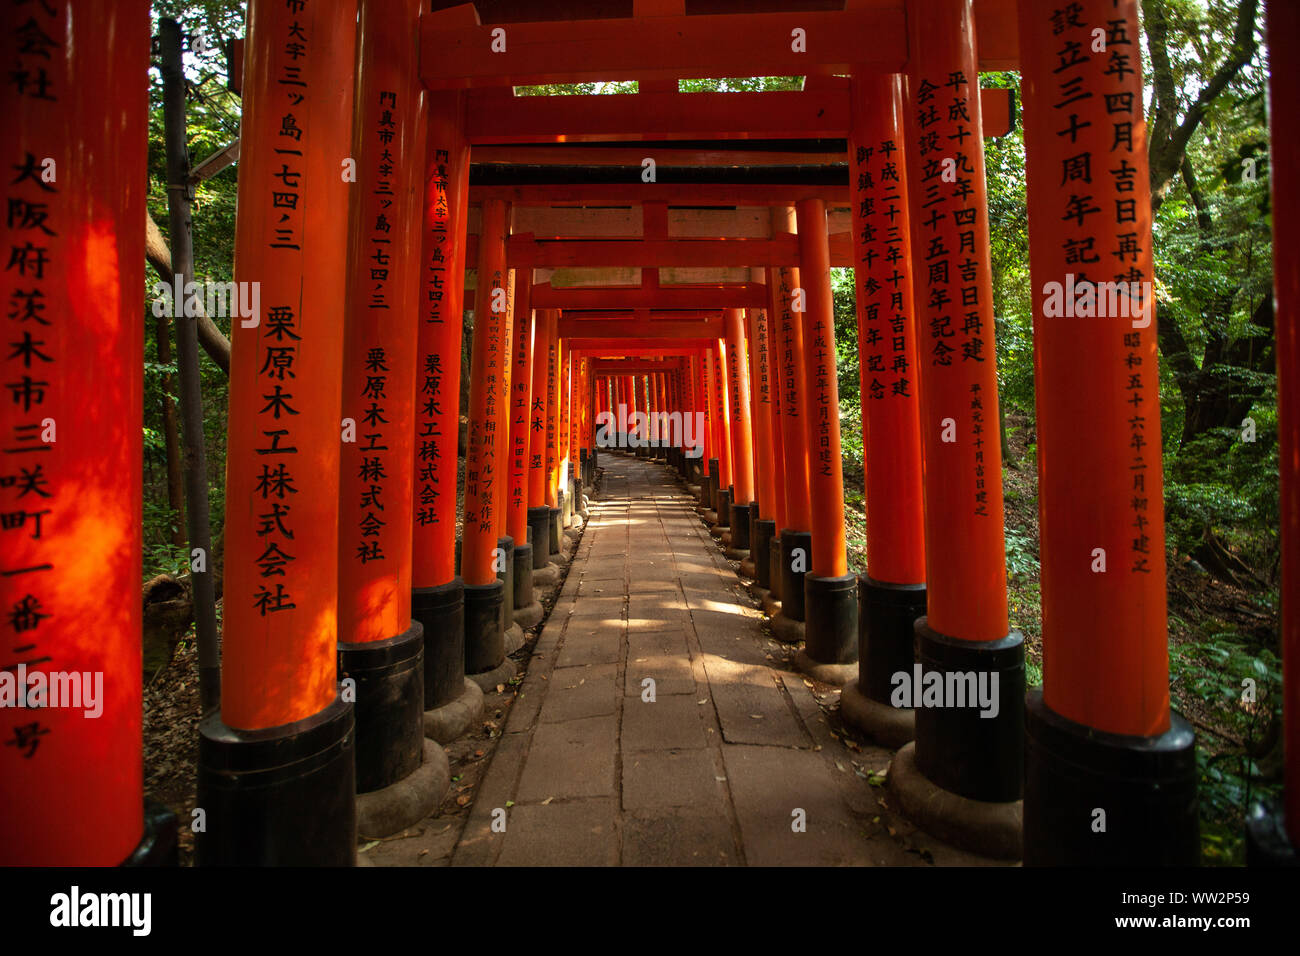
{"x":481,"y":558}
{"x":1101,"y":497}
{"x":796,"y":532}
{"x":280,"y":617}
{"x":1283,"y":21}
{"x":539,"y":512}
{"x":742,"y":453}
{"x":521,"y":393}
{"x":76,"y":112}
{"x":485,"y":412}
{"x":506,"y":349}
{"x":892,"y":594}
{"x":438,"y":593}
{"x":957,"y":749}
{"x":830,"y":592}
{"x":380,"y":647}
{"x":552,"y":430}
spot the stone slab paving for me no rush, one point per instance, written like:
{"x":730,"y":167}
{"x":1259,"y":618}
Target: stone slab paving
{"x":656,"y":724}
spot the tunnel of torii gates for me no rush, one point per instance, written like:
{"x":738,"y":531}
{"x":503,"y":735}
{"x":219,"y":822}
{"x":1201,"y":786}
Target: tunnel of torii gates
{"x":645,"y":269}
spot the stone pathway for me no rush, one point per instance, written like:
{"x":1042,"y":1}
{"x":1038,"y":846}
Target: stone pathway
{"x":655,"y":727}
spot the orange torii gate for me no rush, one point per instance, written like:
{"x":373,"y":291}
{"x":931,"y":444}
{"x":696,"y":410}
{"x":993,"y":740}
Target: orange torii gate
{"x":308,"y":611}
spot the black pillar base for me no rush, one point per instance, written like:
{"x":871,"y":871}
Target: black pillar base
{"x":740,"y":526}
{"x":1146,"y":786}
{"x":708,"y":491}
{"x":792,"y":595}
{"x":761,"y":546}
{"x":723,"y":508}
{"x":1267,"y":842}
{"x":539,"y":534}
{"x":159,"y":845}
{"x":506,"y":575}
{"x":553,"y":529}
{"x":485,"y":638}
{"x":774,"y":566}
{"x":886,"y":638}
{"x":440,"y":610}
{"x":389,"y":709}
{"x":981,"y":758}
{"x":713,"y":485}
{"x":582,"y":466}
{"x":831,"y":619}
{"x":281,"y":796}
{"x":523,"y":578}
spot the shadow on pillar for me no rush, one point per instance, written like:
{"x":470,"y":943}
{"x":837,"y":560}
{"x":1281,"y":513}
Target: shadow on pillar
{"x":830,"y":651}
{"x":539,"y":529}
{"x":795,"y":551}
{"x":486,"y":663}
{"x":962,"y":777}
{"x":887,"y":614}
{"x":1099,"y":799}
{"x":401,"y":777}
{"x":513,"y":633}
{"x":451,"y":702}
{"x":279,"y":796}
{"x":528,"y":610}
{"x":160,"y":845}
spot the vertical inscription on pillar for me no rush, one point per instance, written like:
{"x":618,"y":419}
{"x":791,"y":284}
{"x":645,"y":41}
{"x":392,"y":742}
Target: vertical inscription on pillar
{"x":430,"y":412}
{"x":30,"y":363}
{"x":950,"y":229}
{"x":884,"y":334}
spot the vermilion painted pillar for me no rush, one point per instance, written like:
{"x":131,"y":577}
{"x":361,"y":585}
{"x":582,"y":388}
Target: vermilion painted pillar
{"x":700,"y":432}
{"x":504,"y":557}
{"x":891,"y":596}
{"x":438,"y":592}
{"x":586,"y":397}
{"x":742,"y":453}
{"x":632,"y":406}
{"x":1274,"y":837}
{"x":796,"y":534}
{"x":76,"y":112}
{"x":725,"y":471}
{"x":484,"y":591}
{"x":712,"y":415}
{"x":565,"y":433}
{"x":762,"y":527}
{"x":830,"y":592}
{"x":527,"y":611}
{"x":380,"y":647}
{"x":507,"y":350}
{"x":965,"y":630}
{"x":1099,"y":733}
{"x":280,"y":707}
{"x":777,"y":461}
{"x":539,"y":512}
{"x":553,"y":478}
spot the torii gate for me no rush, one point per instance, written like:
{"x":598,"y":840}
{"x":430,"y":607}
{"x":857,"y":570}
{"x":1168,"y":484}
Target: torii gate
{"x":324,"y":585}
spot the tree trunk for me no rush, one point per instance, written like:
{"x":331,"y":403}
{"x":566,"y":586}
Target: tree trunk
{"x":171,"y":435}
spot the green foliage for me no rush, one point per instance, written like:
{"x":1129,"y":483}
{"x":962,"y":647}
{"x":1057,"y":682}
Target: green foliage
{"x":1209,"y":677}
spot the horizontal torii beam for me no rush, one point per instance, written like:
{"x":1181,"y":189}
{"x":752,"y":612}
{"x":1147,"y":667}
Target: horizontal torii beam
{"x":676,"y":194}
{"x":741,"y":295}
{"x":612,"y":330}
{"x":667,"y":253}
{"x":651,"y":344}
{"x":459,"y":51}
{"x":523,"y":251}
{"x":496,"y":116}
{"x":633,"y":366}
